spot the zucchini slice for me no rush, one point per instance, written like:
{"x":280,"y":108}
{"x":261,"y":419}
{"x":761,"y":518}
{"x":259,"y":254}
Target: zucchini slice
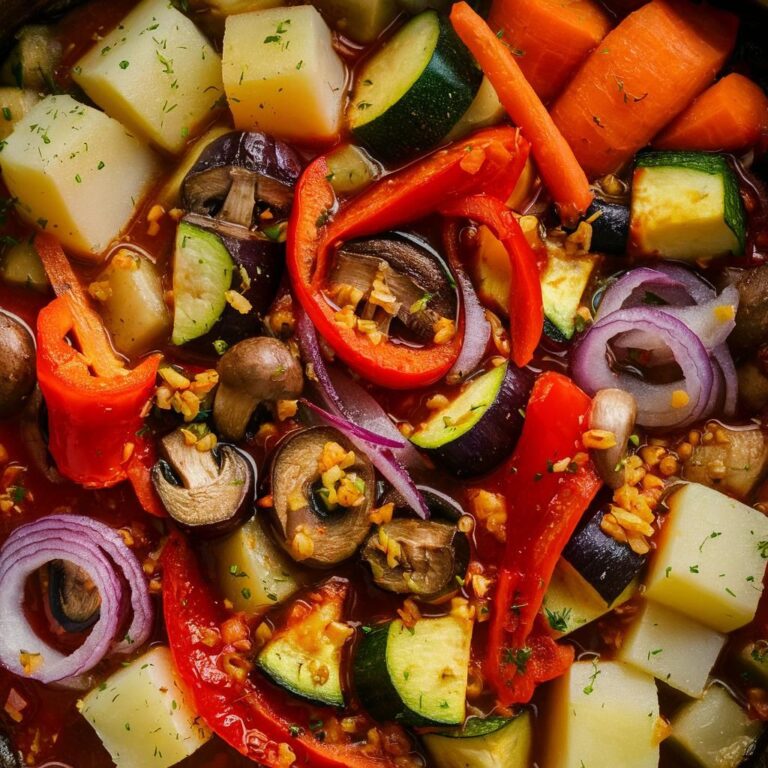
{"x":416,"y":675}
{"x":202,"y":274}
{"x":495,"y":742}
{"x":686,"y":205}
{"x":413,"y":90}
{"x":563,"y":283}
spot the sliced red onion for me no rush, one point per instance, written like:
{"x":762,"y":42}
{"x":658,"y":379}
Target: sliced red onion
{"x":382,"y":458}
{"x":347,"y":426}
{"x":696,"y":286}
{"x":723,"y":360}
{"x":632,"y":289}
{"x":101,"y":553}
{"x":592,"y":370}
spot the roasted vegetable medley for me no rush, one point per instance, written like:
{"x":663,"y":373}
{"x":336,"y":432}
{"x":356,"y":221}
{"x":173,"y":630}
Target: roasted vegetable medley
{"x":384,"y":384}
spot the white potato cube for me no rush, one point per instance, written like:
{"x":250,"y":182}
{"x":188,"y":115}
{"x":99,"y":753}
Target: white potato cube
{"x":714,"y":732}
{"x":143,"y":716}
{"x":602,"y":713}
{"x":77,"y":173}
{"x":282,"y":75}
{"x":155,"y":72}
{"x":672,"y":648}
{"x":710,"y":558}
{"x":14,"y":104}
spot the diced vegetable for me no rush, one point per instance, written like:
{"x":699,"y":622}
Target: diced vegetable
{"x":753,"y":657}
{"x":232,"y":7}
{"x":156,"y":73}
{"x":413,"y":90}
{"x":14,"y":104}
{"x":152,"y":723}
{"x":672,"y":647}
{"x":282,"y":75}
{"x":399,"y":675}
{"x":610,"y":226}
{"x":361,"y":20}
{"x":351,"y":169}
{"x":305,"y":656}
{"x":686,"y":205}
{"x":485,"y":110}
{"x":202,"y":275}
{"x":714,"y":732}
{"x":496,"y":742}
{"x":253,"y":573}
{"x":21,"y":266}
{"x":550,"y":38}
{"x":563,"y":283}
{"x":571,"y":601}
{"x":76,"y":173}
{"x":729,"y":116}
{"x":710,"y":558}
{"x":642,"y":74}
{"x":602,"y":713}
{"x":32,"y":62}
{"x":132,"y":303}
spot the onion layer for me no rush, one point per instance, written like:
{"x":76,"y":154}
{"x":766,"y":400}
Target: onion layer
{"x":110,"y":564}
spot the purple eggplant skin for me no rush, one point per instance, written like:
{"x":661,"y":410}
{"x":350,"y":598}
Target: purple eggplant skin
{"x":606,"y":564}
{"x":495,"y":435}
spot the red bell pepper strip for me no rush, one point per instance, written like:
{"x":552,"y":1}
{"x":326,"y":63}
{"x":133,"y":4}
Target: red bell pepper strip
{"x":239,"y":712}
{"x":490,"y":160}
{"x":543,"y":508}
{"x":139,"y":471}
{"x":94,"y":402}
{"x":526,"y":310}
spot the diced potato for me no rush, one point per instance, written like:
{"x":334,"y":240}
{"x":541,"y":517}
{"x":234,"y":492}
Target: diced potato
{"x":360,"y":20}
{"x":155,"y":72}
{"x":22,"y":267}
{"x":130,"y":299}
{"x":152,"y":723}
{"x":282,"y":75}
{"x":14,"y":104}
{"x":710,"y":558}
{"x":602,"y":713}
{"x":714,"y":732}
{"x":253,"y":572}
{"x":485,"y":110}
{"x":672,"y":648}
{"x":77,"y":173}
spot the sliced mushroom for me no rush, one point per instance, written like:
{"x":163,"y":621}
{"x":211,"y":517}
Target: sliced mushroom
{"x":751,"y":329}
{"x":397,"y":276}
{"x":310,"y":530}
{"x":615,"y":412}
{"x":33,"y":431}
{"x":17,"y":364}
{"x":256,"y":370}
{"x":209,"y":491}
{"x":419,"y":557}
{"x":73,"y":597}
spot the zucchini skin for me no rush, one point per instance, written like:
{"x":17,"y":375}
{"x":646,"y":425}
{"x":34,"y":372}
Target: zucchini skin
{"x":430,"y":108}
{"x":371,"y":676}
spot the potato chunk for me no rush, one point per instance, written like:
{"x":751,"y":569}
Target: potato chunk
{"x":602,"y":713}
{"x":710,"y":558}
{"x":77,"y":173}
{"x":155,"y":72}
{"x":282,"y":75}
{"x":152,"y":722}
{"x":672,"y":648}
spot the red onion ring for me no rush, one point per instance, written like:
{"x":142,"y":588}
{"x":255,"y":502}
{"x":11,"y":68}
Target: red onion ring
{"x":361,"y":433}
{"x":99,"y":551}
{"x":592,"y":371}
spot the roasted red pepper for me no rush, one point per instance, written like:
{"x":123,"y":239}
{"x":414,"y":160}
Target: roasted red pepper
{"x":547,"y":492}
{"x":526,"y":310}
{"x":94,"y":402}
{"x":237,"y":711}
{"x":488,"y":162}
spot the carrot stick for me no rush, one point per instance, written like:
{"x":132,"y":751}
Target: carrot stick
{"x":643,"y":74}
{"x":729,"y":116}
{"x":559,"y":169}
{"x":550,"y":38}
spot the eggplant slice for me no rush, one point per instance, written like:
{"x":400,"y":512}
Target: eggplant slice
{"x":299,"y":506}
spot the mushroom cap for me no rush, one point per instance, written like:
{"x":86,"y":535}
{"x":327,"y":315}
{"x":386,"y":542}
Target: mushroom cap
{"x":17,"y":363}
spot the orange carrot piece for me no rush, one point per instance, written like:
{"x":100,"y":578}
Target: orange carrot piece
{"x":550,"y":38}
{"x":643,"y":74}
{"x":559,"y":169}
{"x":729,"y":116}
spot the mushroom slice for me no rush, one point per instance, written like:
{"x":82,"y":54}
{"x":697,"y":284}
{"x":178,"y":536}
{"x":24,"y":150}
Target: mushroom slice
{"x":73,"y":598}
{"x":315,"y":523}
{"x":418,"y":557}
{"x":204,"y":490}
{"x":17,"y":363}
{"x":256,"y":370}
{"x":615,"y":412}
